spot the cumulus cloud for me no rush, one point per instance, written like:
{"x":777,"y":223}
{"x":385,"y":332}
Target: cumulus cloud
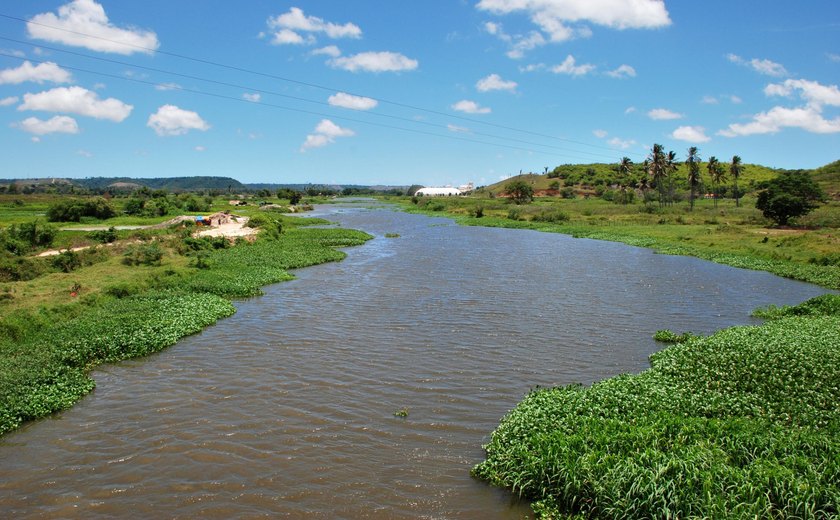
{"x":84,"y":153}
{"x":470,"y":107}
{"x":40,"y":73}
{"x":171,"y":120}
{"x":8,"y":101}
{"x":811,"y":91}
{"x":325,"y":133}
{"x":344,"y":100}
{"x":808,"y":117}
{"x":83,"y":23}
{"x":457,"y":129}
{"x":600,"y":134}
{"x":77,"y":100}
{"x":570,"y":68}
{"x":766,"y":67}
{"x":329,"y":50}
{"x":663,"y":114}
{"x":624,"y":144}
{"x":562,"y":20}
{"x":375,"y":62}
{"x":297,"y":28}
{"x":709,"y":100}
{"x":252,"y":97}
{"x":495,"y":82}
{"x":692,"y":134}
{"x":623,"y":71}
{"x":629,"y":110}
{"x":163,"y":87}
{"x":54,"y":125}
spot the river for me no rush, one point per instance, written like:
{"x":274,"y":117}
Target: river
{"x":287,"y":409}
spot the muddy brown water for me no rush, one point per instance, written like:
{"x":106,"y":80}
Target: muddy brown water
{"x":287,"y":408}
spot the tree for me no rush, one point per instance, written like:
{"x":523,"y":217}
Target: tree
{"x":520,"y":192}
{"x":671,"y":165}
{"x":717,"y":174}
{"x":624,"y":169}
{"x":693,"y":162}
{"x":735,"y":169}
{"x":788,"y":196}
{"x":658,"y":170}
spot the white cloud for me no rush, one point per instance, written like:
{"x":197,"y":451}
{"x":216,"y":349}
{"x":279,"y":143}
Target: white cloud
{"x":812,"y":92}
{"x":766,"y":67}
{"x":470,"y":107}
{"x":352,"y":102}
{"x":77,"y":100}
{"x":663,"y":114}
{"x":806,"y":118}
{"x":561,"y":20}
{"x":325,"y":133}
{"x":375,"y":62}
{"x":457,"y":129}
{"x":8,"y":101}
{"x":40,"y":73}
{"x":623,"y":71}
{"x":288,"y":27}
{"x":54,"y":125}
{"x":252,"y":97}
{"x":495,"y":82}
{"x":14,"y":52}
{"x":735,"y":99}
{"x":171,"y":120}
{"x":84,"y":153}
{"x":569,"y":67}
{"x":833,"y":57}
{"x":167,"y":86}
{"x":200,"y":148}
{"x":329,"y":50}
{"x":709,"y":100}
{"x":600,"y":134}
{"x":621,"y":143}
{"x":629,"y":110}
{"x":83,"y":23}
{"x":532,"y":67}
{"x":692,"y":134}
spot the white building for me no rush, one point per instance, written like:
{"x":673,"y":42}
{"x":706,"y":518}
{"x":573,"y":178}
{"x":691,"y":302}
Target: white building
{"x":439,"y":192}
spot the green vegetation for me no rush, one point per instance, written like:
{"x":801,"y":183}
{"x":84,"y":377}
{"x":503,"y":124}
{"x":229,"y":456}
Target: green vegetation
{"x":64,"y":314}
{"x":788,"y":196}
{"x":740,"y":424}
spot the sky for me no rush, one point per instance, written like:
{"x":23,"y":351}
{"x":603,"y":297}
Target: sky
{"x":400,"y":92}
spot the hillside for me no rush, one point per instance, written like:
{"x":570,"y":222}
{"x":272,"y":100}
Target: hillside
{"x":600,"y":174}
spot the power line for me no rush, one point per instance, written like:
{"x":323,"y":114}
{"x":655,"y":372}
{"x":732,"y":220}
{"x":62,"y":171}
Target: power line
{"x":274,"y":93}
{"x":310,"y":84}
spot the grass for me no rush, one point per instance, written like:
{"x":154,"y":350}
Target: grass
{"x":56,"y":327}
{"x":740,"y":424}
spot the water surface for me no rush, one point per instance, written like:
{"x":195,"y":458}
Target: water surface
{"x":287,"y":408}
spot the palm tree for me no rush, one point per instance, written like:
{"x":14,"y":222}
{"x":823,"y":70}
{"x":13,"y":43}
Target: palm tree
{"x":671,"y":164}
{"x":644,"y":182}
{"x":658,"y":169}
{"x":735,"y":169}
{"x":624,"y":169}
{"x":717,"y":173}
{"x":693,"y":162}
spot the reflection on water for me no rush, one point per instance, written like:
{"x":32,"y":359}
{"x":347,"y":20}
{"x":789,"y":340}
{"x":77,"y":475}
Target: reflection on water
{"x":287,"y":408}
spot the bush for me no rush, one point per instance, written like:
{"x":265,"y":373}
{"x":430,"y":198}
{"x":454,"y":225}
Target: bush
{"x":514,"y":214}
{"x":104,"y":236}
{"x":143,"y":254}
{"x":550,"y":215}
{"x":19,"y":239}
{"x":66,"y":261}
{"x":73,"y":210}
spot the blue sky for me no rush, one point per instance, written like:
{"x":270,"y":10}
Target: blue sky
{"x":431,"y":92}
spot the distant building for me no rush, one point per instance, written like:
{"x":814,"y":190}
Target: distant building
{"x":439,"y":192}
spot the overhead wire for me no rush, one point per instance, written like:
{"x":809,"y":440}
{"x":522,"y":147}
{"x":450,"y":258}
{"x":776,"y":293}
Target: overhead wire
{"x":274,"y":93}
{"x":311,"y":85}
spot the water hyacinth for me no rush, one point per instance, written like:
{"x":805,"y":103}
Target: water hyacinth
{"x":741,"y":424}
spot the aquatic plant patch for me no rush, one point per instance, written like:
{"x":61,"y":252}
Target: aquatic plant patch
{"x":741,"y":424}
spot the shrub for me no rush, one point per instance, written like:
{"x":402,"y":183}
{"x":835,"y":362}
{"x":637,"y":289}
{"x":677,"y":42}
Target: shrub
{"x":73,"y":210}
{"x":143,"y":254}
{"x":104,"y":236}
{"x":550,"y":215}
{"x":66,"y":261}
{"x":514,"y":214}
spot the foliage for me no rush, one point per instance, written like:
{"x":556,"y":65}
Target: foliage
{"x":740,"y":424}
{"x":825,"y":305}
{"x":788,"y":196}
{"x":143,"y":254}
{"x":104,"y":236}
{"x":668,"y":336}
{"x":520,"y":191}
{"x":72,"y":210}
{"x":19,"y":239}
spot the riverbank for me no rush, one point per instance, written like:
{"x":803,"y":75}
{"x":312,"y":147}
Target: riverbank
{"x":726,"y":234}
{"x":741,"y":424}
{"x":134,"y":300}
